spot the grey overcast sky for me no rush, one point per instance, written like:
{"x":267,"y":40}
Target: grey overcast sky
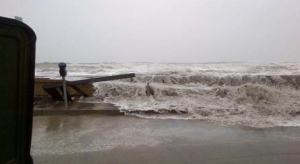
{"x":161,"y":30}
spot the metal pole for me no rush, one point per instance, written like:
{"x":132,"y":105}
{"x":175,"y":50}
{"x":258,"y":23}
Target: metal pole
{"x":65,"y":91}
{"x":63,"y":74}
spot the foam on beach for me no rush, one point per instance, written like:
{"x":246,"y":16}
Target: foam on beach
{"x":250,"y":94}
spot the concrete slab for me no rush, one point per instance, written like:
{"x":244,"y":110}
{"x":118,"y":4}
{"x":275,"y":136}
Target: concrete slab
{"x":132,"y":140}
{"x":78,"y":108}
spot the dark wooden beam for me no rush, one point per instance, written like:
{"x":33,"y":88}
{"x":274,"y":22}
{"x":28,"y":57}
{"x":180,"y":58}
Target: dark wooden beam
{"x":79,"y":91}
{"x":54,"y":93}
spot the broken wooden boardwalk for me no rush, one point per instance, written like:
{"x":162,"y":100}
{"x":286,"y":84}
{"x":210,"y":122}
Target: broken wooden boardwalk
{"x":51,"y":89}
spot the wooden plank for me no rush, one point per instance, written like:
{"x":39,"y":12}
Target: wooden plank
{"x":79,"y":91}
{"x":93,"y":80}
{"x":68,"y":95}
{"x":54,"y":93}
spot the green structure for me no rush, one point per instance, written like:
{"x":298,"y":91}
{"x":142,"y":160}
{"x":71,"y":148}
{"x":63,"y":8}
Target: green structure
{"x":17,"y":62}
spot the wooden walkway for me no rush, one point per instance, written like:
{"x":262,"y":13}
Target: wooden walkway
{"x":52,"y":89}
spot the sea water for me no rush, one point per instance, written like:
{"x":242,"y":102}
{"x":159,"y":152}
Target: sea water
{"x":241,"y":93}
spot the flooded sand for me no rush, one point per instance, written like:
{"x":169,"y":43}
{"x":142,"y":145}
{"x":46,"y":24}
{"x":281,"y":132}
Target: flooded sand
{"x":133,"y":140}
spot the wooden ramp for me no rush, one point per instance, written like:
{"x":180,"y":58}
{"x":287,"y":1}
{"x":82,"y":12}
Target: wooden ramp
{"x":52,"y":89}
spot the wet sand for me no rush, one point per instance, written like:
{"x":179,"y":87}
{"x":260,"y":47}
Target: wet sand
{"x":132,"y":140}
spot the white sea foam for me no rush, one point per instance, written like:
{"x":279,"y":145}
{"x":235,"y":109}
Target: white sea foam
{"x":251,"y":94}
{"x":220,"y":69}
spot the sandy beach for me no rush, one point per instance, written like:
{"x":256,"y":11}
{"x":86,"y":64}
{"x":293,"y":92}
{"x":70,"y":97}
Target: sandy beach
{"x":129,"y":139}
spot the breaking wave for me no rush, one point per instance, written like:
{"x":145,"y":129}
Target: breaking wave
{"x":258,"y":101}
{"x":248,"y":100}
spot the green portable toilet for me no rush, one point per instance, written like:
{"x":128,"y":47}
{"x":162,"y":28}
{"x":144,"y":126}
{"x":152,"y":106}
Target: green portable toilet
{"x":17,"y":62}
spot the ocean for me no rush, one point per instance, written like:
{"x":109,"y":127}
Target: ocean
{"x":241,"y":93}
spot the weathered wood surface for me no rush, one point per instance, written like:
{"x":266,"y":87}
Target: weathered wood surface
{"x":79,"y":91}
{"x":52,"y":89}
{"x":88,"y":89}
{"x":92,"y":80}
